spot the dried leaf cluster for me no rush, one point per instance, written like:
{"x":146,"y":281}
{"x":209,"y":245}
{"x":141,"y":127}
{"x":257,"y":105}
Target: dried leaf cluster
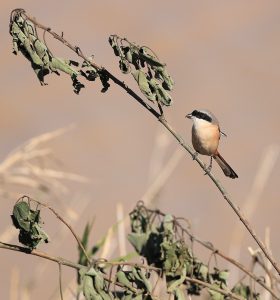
{"x":157,"y":237}
{"x":160,"y":240}
{"x":150,"y":74}
{"x":28,"y":222}
{"x":43,"y":62}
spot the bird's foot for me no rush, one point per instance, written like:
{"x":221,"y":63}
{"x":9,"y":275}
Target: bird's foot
{"x":209,"y":168}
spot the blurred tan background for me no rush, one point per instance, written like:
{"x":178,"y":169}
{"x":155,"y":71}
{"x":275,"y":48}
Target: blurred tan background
{"x":223,"y":56}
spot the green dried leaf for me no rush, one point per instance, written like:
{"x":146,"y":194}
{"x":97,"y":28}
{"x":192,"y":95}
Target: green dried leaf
{"x":98,"y":282}
{"x":115,"y":46}
{"x":82,"y":258}
{"x":76,"y":84}
{"x":128,"y":296}
{"x":28,"y":222}
{"x":144,"y":279}
{"x":128,"y":54}
{"x":86,"y":234}
{"x":29,"y":29}
{"x":149,"y":59}
{"x":106,"y":295}
{"x":63,"y":65}
{"x":245,"y":291}
{"x":179,"y":294}
{"x":122,"y":278}
{"x":167,"y":81}
{"x":124,"y":66}
{"x":88,"y":289}
{"x":143,"y":84}
{"x":42,"y":51}
{"x":21,"y":216}
{"x":223,"y":275}
{"x":169,"y":257}
{"x":220,"y":277}
{"x":138,"y":241}
{"x":214,"y":295}
{"x":178,"y":281}
{"x":87,"y":284}
{"x":168,"y":224}
{"x":135,"y":278}
{"x":24,"y":43}
{"x":88,"y":71}
{"x":161,"y":95}
{"x":33,"y":237}
{"x":202,"y":272}
{"x":38,"y":233}
{"x":139,"y":221}
{"x":104,"y":78}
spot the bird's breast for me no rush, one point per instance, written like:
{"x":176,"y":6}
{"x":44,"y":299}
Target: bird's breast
{"x":205,"y":138}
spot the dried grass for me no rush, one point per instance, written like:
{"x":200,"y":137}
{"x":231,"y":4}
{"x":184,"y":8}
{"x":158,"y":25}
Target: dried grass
{"x":24,"y":166}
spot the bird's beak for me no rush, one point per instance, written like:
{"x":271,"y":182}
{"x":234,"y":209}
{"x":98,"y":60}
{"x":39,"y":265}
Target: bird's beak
{"x":189,"y":116}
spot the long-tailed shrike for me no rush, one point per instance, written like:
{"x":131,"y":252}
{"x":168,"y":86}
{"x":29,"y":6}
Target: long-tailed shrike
{"x":205,"y":139}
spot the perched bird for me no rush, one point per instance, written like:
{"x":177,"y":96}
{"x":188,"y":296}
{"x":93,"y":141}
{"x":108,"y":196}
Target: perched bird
{"x":205,"y":139}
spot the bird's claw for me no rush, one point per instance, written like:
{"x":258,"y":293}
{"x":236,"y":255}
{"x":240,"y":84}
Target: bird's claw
{"x":209,"y":168}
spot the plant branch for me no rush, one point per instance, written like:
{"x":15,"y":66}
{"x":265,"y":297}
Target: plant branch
{"x":164,"y":122}
{"x":59,"y":260}
{"x":60,"y":281}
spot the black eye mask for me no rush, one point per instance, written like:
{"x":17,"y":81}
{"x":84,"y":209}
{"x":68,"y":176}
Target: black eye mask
{"x":201,"y":115}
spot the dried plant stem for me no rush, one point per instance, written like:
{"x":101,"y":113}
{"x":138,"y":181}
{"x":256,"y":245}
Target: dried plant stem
{"x":15,"y":284}
{"x":58,"y":260}
{"x":65,"y":262}
{"x":60,"y":281}
{"x":164,"y":122}
{"x":121,"y":229}
{"x":162,"y":177}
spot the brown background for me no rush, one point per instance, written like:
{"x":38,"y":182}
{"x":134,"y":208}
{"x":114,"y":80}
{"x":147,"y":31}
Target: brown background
{"x":223,"y":55}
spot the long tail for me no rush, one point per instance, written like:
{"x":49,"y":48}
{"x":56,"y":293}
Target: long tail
{"x":228,"y":171}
